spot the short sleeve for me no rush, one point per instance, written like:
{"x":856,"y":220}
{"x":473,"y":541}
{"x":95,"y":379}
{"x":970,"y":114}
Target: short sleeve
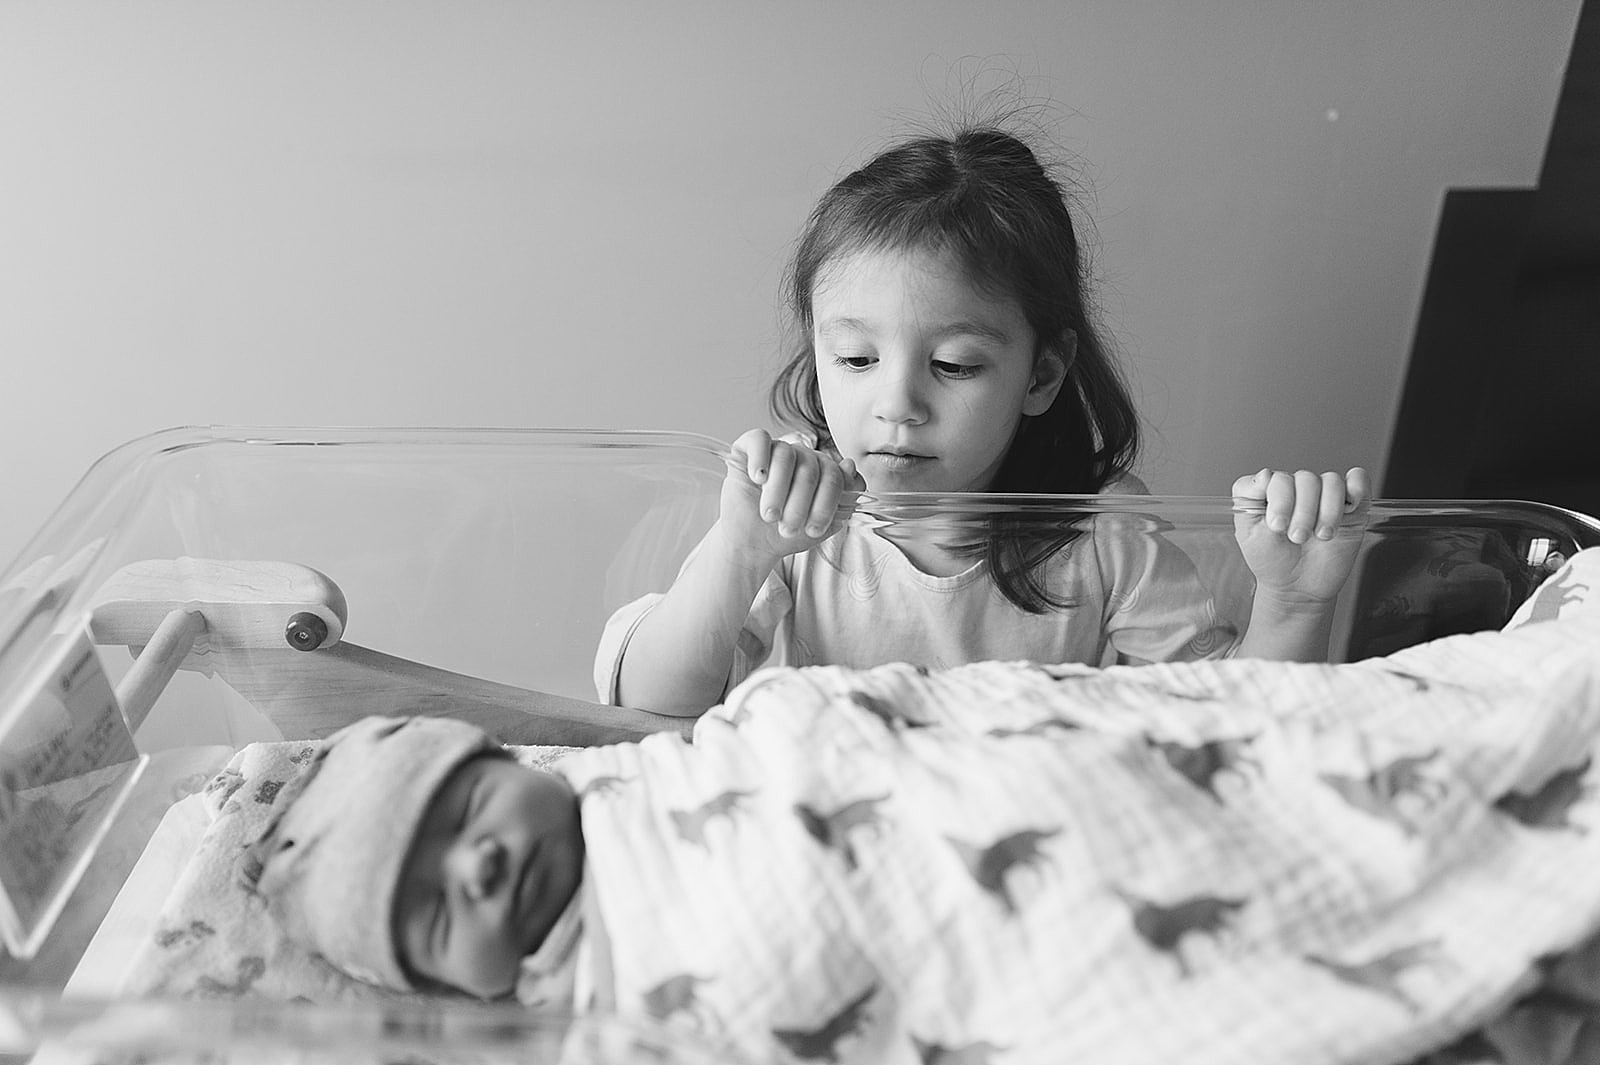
{"x":770,"y":612}
{"x":1125,"y":484}
{"x":1157,"y":608}
{"x":614,"y":639}
{"x":767,"y":628}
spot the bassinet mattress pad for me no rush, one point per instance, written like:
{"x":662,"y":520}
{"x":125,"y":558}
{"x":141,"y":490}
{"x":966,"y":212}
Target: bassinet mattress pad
{"x":1422,"y":884}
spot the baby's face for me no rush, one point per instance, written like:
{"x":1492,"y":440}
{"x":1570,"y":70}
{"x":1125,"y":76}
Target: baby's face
{"x":495,"y":861}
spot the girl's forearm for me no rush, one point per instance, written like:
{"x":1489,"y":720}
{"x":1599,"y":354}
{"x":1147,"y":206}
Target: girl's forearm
{"x":679,"y":658}
{"x":1288,"y":631}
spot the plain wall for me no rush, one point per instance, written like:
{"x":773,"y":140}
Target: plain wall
{"x":576,"y":215}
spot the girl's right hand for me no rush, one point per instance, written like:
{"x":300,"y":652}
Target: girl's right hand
{"x":781,"y":496}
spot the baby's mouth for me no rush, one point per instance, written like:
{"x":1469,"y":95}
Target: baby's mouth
{"x":522,"y":894}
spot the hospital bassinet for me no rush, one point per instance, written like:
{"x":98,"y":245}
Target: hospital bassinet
{"x":202,"y":591}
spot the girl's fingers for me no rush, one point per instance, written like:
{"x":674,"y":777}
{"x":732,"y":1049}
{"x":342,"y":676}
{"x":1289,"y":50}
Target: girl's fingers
{"x":1279,"y":495}
{"x":754,"y":450}
{"x":851,"y":485}
{"x":1252,"y":485}
{"x":1307,"y":504}
{"x":1331,"y":505}
{"x":803,"y":483}
{"x":776,"y":487}
{"x":1303,"y":504}
{"x":825,"y":503}
{"x":853,"y":481}
{"x":800,"y":489}
{"x":1357,"y":489}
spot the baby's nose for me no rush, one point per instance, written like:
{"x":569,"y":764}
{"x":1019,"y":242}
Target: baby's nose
{"x":478,"y":866}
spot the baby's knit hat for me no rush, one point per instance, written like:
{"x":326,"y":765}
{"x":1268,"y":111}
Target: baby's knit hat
{"x":328,"y":863}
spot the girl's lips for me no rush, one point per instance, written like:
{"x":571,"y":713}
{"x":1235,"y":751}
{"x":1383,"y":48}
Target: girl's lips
{"x":896,"y":461}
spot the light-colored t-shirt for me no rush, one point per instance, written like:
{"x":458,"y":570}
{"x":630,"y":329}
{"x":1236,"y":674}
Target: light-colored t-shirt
{"x":858,"y":601}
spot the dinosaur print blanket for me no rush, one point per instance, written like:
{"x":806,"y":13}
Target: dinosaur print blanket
{"x":1210,"y":862}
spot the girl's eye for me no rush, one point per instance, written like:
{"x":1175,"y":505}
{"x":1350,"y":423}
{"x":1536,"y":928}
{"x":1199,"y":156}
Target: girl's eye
{"x":853,"y":362}
{"x":954,"y":369}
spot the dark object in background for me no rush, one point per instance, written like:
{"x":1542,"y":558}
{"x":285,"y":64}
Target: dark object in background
{"x":1502,"y":396}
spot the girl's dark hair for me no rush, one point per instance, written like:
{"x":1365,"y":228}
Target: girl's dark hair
{"x":982,"y":195}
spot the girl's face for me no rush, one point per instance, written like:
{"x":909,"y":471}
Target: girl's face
{"x":924,"y":376}
{"x":495,"y":862}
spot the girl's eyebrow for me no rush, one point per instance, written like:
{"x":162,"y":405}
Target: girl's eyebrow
{"x":966,"y":327}
{"x":843,"y":325}
{"x":961,"y":327}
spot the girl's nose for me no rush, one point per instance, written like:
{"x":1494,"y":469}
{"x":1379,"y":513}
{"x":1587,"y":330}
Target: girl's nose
{"x":477,"y":867}
{"x":898,"y":398}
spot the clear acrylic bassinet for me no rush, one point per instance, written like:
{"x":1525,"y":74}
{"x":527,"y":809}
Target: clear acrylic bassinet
{"x":203,"y":590}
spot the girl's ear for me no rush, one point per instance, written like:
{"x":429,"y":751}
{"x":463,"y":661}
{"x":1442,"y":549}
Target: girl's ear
{"x":1049,"y":374}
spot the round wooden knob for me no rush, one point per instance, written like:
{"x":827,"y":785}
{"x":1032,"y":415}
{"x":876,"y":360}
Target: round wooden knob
{"x":306,"y":631}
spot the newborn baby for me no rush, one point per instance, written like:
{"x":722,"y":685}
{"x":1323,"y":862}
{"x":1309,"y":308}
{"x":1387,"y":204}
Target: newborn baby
{"x":893,"y":865}
{"x":415,"y":853}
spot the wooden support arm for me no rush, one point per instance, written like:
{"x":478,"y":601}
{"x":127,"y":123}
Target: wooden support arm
{"x":250,"y":622}
{"x":169,"y":645}
{"x":315,"y":695}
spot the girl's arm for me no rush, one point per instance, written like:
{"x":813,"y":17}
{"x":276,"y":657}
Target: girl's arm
{"x":779,"y":498}
{"x":1301,"y":548}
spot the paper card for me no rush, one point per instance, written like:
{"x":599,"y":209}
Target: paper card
{"x":67,"y":762}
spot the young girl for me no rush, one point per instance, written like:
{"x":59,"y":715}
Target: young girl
{"x":945,"y":345}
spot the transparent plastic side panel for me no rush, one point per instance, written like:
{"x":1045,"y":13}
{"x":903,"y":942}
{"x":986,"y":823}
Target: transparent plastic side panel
{"x":1417,"y":570}
{"x":46,"y":1030}
{"x":211,"y":590}
{"x":501,"y":554}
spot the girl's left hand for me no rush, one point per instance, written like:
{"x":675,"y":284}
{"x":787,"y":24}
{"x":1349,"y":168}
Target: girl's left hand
{"x":1303,"y":544}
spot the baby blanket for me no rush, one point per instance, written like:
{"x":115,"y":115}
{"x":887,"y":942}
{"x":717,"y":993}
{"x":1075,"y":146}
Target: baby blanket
{"x":1214,"y":862}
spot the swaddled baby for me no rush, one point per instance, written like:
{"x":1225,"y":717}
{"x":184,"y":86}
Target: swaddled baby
{"x":415,"y":853}
{"x":1208,"y":862}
